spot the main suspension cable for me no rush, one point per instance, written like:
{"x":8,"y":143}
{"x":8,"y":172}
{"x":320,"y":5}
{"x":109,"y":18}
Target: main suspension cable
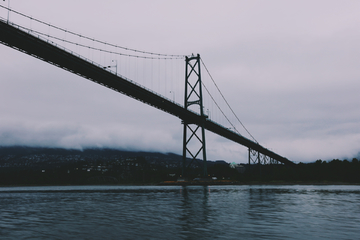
{"x":92,"y":39}
{"x":202,"y":83}
{"x":226,"y":102}
{"x":93,"y":48}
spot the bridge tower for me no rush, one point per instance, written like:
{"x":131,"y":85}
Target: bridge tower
{"x":194,"y":142}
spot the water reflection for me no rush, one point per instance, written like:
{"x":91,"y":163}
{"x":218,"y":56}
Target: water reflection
{"x":173,"y":212}
{"x":196,"y":214}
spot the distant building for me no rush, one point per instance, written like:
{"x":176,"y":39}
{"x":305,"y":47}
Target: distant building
{"x":239,"y":167}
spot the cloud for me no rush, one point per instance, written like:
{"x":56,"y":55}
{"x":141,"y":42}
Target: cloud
{"x":76,"y":136}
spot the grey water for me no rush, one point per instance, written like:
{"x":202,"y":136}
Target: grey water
{"x":175,"y":212}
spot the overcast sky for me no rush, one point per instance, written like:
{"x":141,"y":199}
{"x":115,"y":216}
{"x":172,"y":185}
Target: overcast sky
{"x":289,"y":69}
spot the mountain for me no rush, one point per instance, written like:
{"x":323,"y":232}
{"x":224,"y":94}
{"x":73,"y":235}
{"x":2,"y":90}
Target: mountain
{"x":38,"y":157}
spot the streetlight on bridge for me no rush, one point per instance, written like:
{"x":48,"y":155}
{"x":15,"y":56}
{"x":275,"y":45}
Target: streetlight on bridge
{"x":173,"y":95}
{"x":8,"y":11}
{"x":112,"y":66}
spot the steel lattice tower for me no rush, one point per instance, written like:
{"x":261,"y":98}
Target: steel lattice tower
{"x":194,"y":143}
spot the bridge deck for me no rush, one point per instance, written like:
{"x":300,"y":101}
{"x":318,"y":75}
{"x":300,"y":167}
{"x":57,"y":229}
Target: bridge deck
{"x":20,"y":40}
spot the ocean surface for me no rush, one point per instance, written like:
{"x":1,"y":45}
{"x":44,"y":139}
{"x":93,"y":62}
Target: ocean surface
{"x":175,"y":212}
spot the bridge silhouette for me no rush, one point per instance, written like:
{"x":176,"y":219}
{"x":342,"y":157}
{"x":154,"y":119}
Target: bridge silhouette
{"x":13,"y":36}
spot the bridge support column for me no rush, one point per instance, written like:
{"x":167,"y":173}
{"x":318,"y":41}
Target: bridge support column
{"x":194,"y":142}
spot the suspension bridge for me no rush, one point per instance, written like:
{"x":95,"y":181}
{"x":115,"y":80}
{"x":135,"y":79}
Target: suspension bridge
{"x":43,"y":46}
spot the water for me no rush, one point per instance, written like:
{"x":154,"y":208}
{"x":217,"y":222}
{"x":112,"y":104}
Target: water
{"x":175,"y":212}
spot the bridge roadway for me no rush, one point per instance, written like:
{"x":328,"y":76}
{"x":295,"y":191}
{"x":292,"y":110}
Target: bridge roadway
{"x":12,"y":36}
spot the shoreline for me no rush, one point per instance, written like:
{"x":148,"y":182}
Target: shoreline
{"x":193,"y":183}
{"x":202,"y":183}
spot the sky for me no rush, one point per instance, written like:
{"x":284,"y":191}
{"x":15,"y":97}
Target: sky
{"x":289,"y":70}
